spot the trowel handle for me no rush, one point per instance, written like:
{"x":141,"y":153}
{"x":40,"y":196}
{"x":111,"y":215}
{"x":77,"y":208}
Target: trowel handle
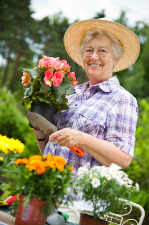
{"x":76,"y":150}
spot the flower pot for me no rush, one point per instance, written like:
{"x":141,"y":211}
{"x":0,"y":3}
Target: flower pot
{"x":88,"y":220}
{"x":31,"y":214}
{"x":44,"y":109}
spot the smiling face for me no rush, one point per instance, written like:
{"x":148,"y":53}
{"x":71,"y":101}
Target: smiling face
{"x":99,"y":68}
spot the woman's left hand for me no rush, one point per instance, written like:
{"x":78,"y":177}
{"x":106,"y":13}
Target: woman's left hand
{"x":66,"y":137}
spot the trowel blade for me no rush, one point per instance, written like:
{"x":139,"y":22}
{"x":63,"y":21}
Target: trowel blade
{"x":40,"y":123}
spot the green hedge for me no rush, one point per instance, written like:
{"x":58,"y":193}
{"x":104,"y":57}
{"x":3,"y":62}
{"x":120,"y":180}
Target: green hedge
{"x":139,"y":167}
{"x":13,"y":123}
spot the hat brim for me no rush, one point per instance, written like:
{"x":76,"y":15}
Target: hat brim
{"x":128,"y":39}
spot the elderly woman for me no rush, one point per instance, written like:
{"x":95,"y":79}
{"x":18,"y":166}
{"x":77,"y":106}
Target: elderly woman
{"x":102,"y":115}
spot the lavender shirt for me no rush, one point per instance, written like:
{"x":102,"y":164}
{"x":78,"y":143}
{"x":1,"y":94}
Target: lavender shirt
{"x":106,"y":111}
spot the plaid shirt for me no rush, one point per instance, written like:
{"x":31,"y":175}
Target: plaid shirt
{"x":106,"y":111}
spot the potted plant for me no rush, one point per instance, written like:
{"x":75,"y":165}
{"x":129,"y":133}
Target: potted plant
{"x":101,"y":188}
{"x":48,"y":84}
{"x":40,"y":182}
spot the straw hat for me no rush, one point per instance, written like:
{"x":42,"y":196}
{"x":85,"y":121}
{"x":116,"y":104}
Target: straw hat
{"x":128,"y":39}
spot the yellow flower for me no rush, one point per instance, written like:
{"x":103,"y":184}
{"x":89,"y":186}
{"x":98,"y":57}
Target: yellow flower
{"x":10,"y":145}
{"x":1,"y":158}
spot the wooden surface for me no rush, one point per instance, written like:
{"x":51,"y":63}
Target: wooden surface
{"x":6,"y":218}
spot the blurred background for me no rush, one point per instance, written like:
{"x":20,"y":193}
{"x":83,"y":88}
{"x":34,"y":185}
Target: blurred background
{"x":32,"y":28}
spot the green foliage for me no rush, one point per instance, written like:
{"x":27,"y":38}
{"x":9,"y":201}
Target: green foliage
{"x":102,"y":187}
{"x":139,"y":167}
{"x":35,"y":89}
{"x":14,"y":124}
{"x":47,"y":179}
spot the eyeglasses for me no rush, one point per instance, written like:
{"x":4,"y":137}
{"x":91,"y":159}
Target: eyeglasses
{"x":101,"y":52}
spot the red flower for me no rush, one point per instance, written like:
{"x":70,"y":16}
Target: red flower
{"x":65,"y":66}
{"x":57,"y":78}
{"x":73,"y":79}
{"x":26,"y":79}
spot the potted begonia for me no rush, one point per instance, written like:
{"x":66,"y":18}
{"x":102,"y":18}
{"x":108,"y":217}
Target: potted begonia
{"x":48,"y":84}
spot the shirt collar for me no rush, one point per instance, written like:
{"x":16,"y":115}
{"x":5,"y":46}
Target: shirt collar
{"x":106,"y":86}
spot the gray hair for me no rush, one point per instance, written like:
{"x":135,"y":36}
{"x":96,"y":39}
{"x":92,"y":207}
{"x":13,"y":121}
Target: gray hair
{"x":116,"y":45}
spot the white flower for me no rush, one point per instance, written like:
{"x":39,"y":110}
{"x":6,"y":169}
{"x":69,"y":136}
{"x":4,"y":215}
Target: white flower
{"x":116,"y":174}
{"x":81,"y":172}
{"x":82,"y":169}
{"x":137,"y":186}
{"x":121,"y":181}
{"x":124,"y":174}
{"x":92,"y":175}
{"x":108,"y":176}
{"x":95,"y":182}
{"x":115,"y":166}
{"x":96,"y":168}
{"x":104,"y":171}
{"x":127,"y":180}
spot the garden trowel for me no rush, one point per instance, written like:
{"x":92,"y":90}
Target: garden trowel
{"x":47,"y":128}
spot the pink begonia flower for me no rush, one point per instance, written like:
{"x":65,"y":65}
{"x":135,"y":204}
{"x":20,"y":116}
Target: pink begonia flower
{"x":55,"y":63}
{"x":57,"y":78}
{"x":71,"y":74}
{"x":26,"y":79}
{"x":48,"y":74}
{"x":44,"y":62}
{"x":65,"y":66}
{"x":50,"y":62}
{"x":73,"y":79}
{"x":48,"y":83}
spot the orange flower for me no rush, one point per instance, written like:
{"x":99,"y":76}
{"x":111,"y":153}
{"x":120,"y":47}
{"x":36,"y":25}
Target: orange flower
{"x":49,"y":156}
{"x":35,"y":157}
{"x":49,"y":163}
{"x":24,"y":161}
{"x":70,"y":168}
{"x":55,"y":162}
{"x":36,"y":165}
{"x":60,"y":159}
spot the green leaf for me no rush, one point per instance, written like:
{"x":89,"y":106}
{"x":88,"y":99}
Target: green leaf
{"x":34,"y":72}
{"x":27,"y":200}
{"x":42,"y":99}
{"x":45,"y":88}
{"x":66,"y":88}
{"x":28,"y":91}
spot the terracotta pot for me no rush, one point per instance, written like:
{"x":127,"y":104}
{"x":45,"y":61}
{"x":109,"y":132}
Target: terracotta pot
{"x":44,"y":109}
{"x":31,"y":214}
{"x":88,"y":220}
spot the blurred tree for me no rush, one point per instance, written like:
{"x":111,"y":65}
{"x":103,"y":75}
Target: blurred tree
{"x":16,"y":26}
{"x":136,"y":78}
